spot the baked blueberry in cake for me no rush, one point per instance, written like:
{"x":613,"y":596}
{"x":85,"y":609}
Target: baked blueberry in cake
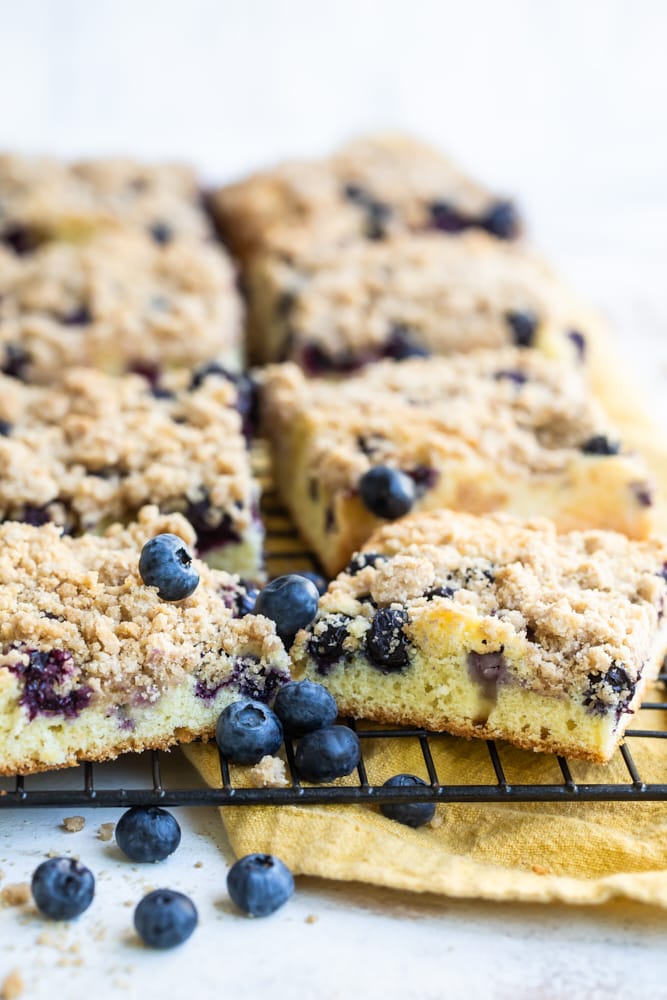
{"x":409,"y":296}
{"x":96,"y":448}
{"x":94,"y":662}
{"x":490,"y":431}
{"x":118,"y":302}
{"x":488,"y":627}
{"x":43,"y":199}
{"x":370,"y":188}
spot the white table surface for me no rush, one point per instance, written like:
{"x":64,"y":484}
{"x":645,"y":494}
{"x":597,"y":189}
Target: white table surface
{"x":562,"y":102}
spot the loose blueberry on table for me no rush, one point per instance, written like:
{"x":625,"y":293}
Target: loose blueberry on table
{"x":147,"y":833}
{"x":248,"y":730}
{"x":62,"y":888}
{"x":387,"y":492}
{"x":165,"y":918}
{"x":291,"y":602}
{"x":166,"y":563}
{"x":304,"y":706}
{"x":327,"y":754}
{"x":414,"y":814}
{"x":259,"y":884}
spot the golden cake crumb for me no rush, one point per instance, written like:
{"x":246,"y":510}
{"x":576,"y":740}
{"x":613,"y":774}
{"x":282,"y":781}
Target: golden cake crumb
{"x":312,"y":918}
{"x":12,"y":985}
{"x":15,"y":894}
{"x":73,"y":824}
{"x":105,"y":831}
{"x":540,"y":870}
{"x":269,"y":773}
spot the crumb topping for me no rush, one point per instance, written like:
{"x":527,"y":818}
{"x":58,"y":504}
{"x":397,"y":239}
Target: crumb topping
{"x":95,"y":449}
{"x":443,"y":294}
{"x":370,"y":187}
{"x":587,"y":604}
{"x":82,"y":602}
{"x":117,"y":302}
{"x":420,"y":413}
{"x":50,"y":199}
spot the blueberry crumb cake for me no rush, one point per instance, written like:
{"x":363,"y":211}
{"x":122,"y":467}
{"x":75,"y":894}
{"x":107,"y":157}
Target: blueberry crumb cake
{"x":117,"y":302}
{"x":370,"y":188}
{"x":491,"y":431}
{"x":94,"y":662}
{"x":409,"y":295}
{"x":94,"y":449}
{"x":44,"y":199}
{"x":493,"y":628}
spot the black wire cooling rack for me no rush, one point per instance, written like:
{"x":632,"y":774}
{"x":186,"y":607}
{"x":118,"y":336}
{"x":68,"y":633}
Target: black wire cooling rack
{"x":94,"y":785}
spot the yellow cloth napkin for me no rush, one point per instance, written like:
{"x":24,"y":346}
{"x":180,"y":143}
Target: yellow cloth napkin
{"x":570,"y":852}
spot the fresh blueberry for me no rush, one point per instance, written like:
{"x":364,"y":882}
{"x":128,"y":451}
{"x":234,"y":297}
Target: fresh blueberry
{"x":165,"y":918}
{"x":62,"y":888}
{"x":248,"y":730}
{"x":291,"y":602}
{"x":161,"y":233}
{"x":327,"y":754}
{"x":5,"y":428}
{"x":363,"y":559}
{"x":387,"y":492}
{"x":166,"y":563}
{"x":320,"y":581}
{"x":303,"y":706}
{"x":600,"y":444}
{"x":412,"y":814}
{"x":523,"y":326}
{"x":386,"y":642}
{"x":259,"y":884}
{"x":147,"y":833}
{"x":502,"y":220}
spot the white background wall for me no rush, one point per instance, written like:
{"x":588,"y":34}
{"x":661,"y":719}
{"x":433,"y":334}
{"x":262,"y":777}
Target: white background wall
{"x":562,"y":101}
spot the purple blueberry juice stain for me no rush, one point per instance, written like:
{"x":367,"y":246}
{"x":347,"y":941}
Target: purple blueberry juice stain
{"x":619,"y":682}
{"x":210,"y":536}
{"x":41,"y":676}
{"x":488,"y":670}
{"x":643,"y":493}
{"x":424,"y":477}
{"x":326,"y":646}
{"x":261,"y":685}
{"x":579,"y":342}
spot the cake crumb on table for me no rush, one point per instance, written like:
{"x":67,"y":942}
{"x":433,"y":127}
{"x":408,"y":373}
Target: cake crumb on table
{"x":15,"y":894}
{"x":12,"y":985}
{"x":73,"y":824}
{"x":105,"y":832}
{"x":199,"y":864}
{"x":312,"y":918}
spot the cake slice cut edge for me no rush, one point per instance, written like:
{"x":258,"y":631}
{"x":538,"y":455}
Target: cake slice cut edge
{"x":488,"y":628}
{"x":93,"y":663}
